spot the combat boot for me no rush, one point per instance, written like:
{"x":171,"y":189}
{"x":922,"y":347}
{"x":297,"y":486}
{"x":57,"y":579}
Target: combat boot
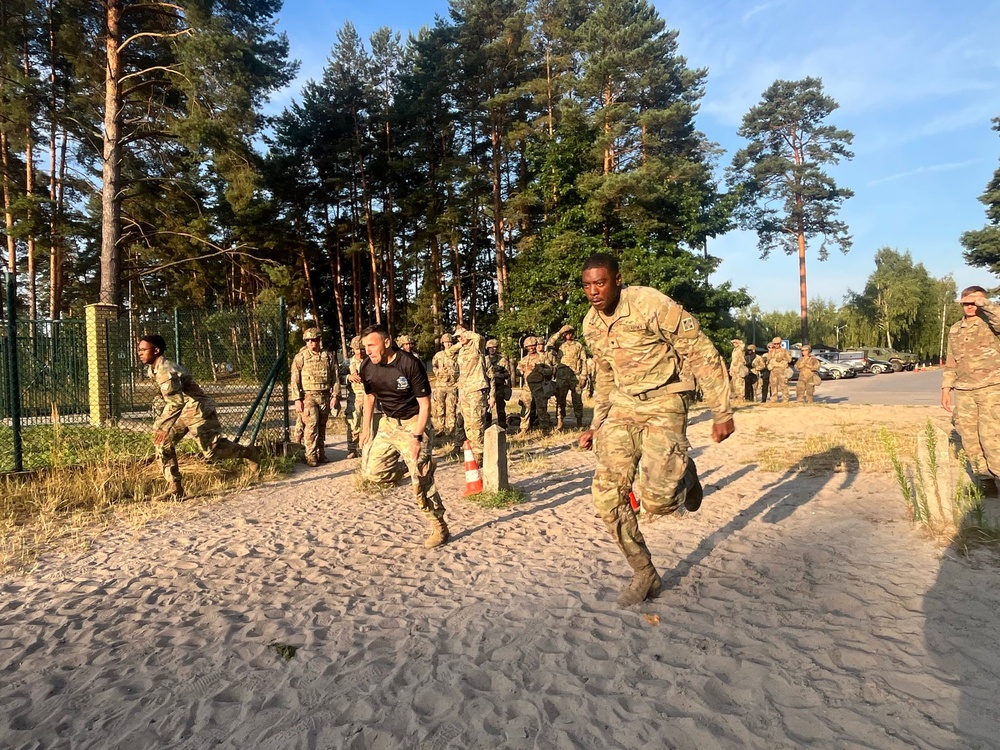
{"x":645,"y":584}
{"x":439,"y":534}
{"x":694,"y":492}
{"x":559,"y":423}
{"x":312,"y":461}
{"x":175,"y":492}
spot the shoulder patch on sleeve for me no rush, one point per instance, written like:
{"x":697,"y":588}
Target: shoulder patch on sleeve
{"x":688,"y":324}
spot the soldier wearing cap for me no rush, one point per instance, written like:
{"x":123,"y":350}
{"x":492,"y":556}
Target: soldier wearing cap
{"x":469,"y":355}
{"x":405,"y":343}
{"x":756,"y":367}
{"x":354,"y":411}
{"x":571,"y":371}
{"x":737,"y":371}
{"x":537,"y":367}
{"x":651,"y":356}
{"x":778,"y":361}
{"x":499,"y":373}
{"x":807,"y":367}
{"x":315,"y":384}
{"x":444,"y":395}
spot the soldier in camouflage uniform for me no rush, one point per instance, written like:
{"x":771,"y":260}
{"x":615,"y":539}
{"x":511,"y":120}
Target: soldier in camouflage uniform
{"x":571,"y":370}
{"x":405,"y":343}
{"x":640,"y":338}
{"x":972,"y":373}
{"x":737,"y":371}
{"x":778,"y":361}
{"x":444,"y":396}
{"x":399,"y":382}
{"x":186,"y":408}
{"x":499,"y":372}
{"x":537,"y":367}
{"x":808,"y":368}
{"x":757,"y":367}
{"x":315,"y":384}
{"x":354,"y":411}
{"x":469,"y":355}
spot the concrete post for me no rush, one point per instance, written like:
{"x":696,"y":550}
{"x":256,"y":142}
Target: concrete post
{"x":495,"y":460}
{"x":98,"y":363}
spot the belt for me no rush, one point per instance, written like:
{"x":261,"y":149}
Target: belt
{"x":678,"y":386}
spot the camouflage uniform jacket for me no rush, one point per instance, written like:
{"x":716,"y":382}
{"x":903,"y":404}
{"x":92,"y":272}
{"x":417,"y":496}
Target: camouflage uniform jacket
{"x":537,"y":367}
{"x":758,"y":365}
{"x":778,"y":359}
{"x":354,"y":368}
{"x":738,"y":364}
{"x":471,"y":361}
{"x":570,"y":354}
{"x":974,"y":351}
{"x":642,"y":346}
{"x":314,"y":371}
{"x":445,"y":368}
{"x":499,"y":369}
{"x":807,"y":366}
{"x":181,"y":395}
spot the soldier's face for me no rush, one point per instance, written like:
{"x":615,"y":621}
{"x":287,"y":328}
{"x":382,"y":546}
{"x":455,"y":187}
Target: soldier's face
{"x":147,"y":353}
{"x":314,"y":344}
{"x":602,"y":289}
{"x":491,"y":350}
{"x":377,"y":348}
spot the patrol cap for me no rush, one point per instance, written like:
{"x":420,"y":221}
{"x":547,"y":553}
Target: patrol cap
{"x":751,"y":348}
{"x":447,"y":338}
{"x":776,"y":340}
{"x":492,"y":344}
{"x":356,"y":343}
{"x":566,"y":329}
{"x":806,"y":348}
{"x":735,"y":341}
{"x":531,"y":341}
{"x":404,"y":339}
{"x":310,"y":334}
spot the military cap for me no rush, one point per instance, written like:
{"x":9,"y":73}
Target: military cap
{"x":776,"y":340}
{"x":566,"y":329}
{"x":492,"y":344}
{"x":531,"y":341}
{"x":735,"y":341}
{"x":806,"y":348}
{"x":356,"y":343}
{"x":447,"y":338}
{"x":404,"y":339}
{"x":751,"y":348}
{"x":311,"y":333}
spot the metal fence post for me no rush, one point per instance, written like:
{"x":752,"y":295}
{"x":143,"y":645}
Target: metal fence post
{"x":177,"y":336}
{"x":12,"y":371}
{"x":283,"y":356}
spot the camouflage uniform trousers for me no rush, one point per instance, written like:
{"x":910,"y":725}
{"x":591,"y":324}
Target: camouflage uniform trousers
{"x":474,"y":408}
{"x":207,"y":430}
{"x":737,"y":386}
{"x":535,"y":399}
{"x":444,"y":407}
{"x":779,"y":384}
{"x":567,"y":384}
{"x":353,"y":415}
{"x":315,"y":415}
{"x":804,"y":389}
{"x":393,"y":443}
{"x":977,"y":419}
{"x":647,"y":438}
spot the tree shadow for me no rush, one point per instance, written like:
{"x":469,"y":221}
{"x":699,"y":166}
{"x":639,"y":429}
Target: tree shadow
{"x":779,"y":501}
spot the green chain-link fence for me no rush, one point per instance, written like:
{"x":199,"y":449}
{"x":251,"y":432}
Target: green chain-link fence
{"x":73,"y":391}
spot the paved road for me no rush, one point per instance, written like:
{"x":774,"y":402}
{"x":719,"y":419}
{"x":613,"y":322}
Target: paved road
{"x":921,"y":388}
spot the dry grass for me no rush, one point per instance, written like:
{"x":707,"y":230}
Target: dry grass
{"x":66,"y":509}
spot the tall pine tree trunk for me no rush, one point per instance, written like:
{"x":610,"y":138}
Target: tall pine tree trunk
{"x":111,"y":159}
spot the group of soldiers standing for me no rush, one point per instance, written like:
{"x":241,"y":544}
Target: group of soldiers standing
{"x":764,"y":377}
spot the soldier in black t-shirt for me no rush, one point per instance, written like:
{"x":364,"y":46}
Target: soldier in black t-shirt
{"x":399,"y":382}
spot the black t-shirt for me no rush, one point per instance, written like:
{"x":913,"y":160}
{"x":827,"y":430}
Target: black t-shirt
{"x":397,"y":385}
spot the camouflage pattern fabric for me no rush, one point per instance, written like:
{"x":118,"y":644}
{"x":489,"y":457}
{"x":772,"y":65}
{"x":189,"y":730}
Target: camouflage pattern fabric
{"x":444,"y":392}
{"x":757,"y":367}
{"x":314,"y":381}
{"x":570,"y":373}
{"x":469,"y":354}
{"x":808,"y":369}
{"x":390,"y":445}
{"x":972,"y":369}
{"x":537,"y":370}
{"x":778,"y":360}
{"x":187,"y":408}
{"x":499,"y":371}
{"x":355,"y":407}
{"x":737,"y":371}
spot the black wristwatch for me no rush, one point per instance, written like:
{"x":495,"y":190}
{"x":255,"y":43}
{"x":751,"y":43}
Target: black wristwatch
{"x":419,"y":438}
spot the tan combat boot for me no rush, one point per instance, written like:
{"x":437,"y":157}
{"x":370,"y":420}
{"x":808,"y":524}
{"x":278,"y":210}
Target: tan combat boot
{"x":175,"y":492}
{"x":252,"y":456}
{"x":439,"y":534}
{"x":645,"y":584}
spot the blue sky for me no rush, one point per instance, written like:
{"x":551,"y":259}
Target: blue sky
{"x":917,"y":82}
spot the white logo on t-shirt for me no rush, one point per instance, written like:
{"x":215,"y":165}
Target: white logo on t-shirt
{"x":402,"y":383}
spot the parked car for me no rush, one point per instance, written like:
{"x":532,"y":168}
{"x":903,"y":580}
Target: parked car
{"x":824,"y":372}
{"x":837,"y":370}
{"x":878,"y":366}
{"x":854,"y":358}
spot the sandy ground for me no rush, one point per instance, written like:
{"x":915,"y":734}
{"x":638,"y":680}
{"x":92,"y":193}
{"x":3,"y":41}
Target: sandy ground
{"x":800,"y":609}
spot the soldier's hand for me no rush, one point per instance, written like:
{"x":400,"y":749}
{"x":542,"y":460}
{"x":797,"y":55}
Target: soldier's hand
{"x":299,"y":407}
{"x":335,"y":405}
{"x":586,"y":440}
{"x":160,"y":437}
{"x":354,"y":377}
{"x":946,"y":399}
{"x":721,"y":431}
{"x":365,"y":437}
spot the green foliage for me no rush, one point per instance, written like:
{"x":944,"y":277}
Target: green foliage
{"x":499,"y":499}
{"x":982,"y":246}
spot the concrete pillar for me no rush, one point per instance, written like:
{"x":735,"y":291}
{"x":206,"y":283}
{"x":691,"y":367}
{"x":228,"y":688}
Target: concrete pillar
{"x":98,"y":363}
{"x":495,"y":459}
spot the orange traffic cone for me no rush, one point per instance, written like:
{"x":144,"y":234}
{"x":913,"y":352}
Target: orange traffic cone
{"x":473,"y":477}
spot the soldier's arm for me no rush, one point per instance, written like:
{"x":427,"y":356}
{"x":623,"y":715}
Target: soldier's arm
{"x":335,"y":376}
{"x":701,"y":359}
{"x":605,"y":383}
{"x":554,"y":341}
{"x":172,"y":393}
{"x":296,"y":379}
